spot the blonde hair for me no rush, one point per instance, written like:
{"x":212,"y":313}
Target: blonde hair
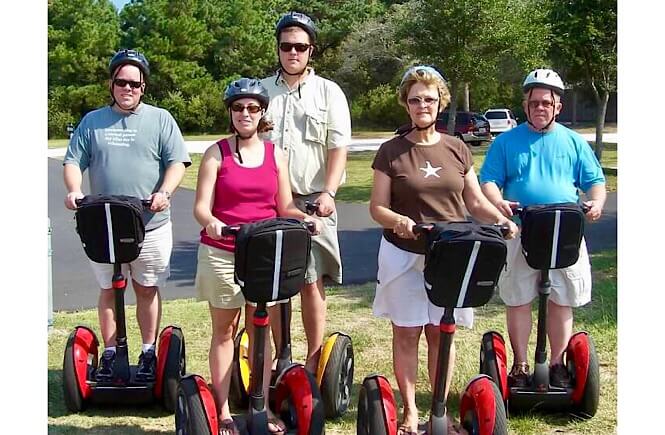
{"x":425,"y":76}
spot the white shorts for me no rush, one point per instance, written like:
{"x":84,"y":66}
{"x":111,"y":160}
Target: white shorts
{"x":400,"y":290}
{"x":518,"y":284}
{"x":151,"y":268}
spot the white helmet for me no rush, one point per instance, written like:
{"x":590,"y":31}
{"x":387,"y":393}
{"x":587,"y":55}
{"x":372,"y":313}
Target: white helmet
{"x":543,"y":78}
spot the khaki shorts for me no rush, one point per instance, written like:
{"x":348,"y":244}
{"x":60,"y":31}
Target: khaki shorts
{"x":151,"y":268}
{"x":325,"y":258}
{"x":518,"y":284}
{"x":214,"y":278}
{"x":400,"y":291}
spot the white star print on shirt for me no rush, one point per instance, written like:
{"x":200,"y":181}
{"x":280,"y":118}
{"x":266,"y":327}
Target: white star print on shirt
{"x":429,"y":170}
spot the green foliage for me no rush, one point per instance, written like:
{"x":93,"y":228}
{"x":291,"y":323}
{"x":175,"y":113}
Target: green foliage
{"x":378,"y":108}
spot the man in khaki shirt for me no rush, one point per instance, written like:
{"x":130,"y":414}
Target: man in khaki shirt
{"x":312,"y":125}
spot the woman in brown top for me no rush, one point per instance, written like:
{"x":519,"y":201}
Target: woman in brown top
{"x":420,"y":176}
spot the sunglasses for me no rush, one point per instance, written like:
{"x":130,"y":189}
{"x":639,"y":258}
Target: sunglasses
{"x":545,"y":103}
{"x":417,"y":101}
{"x":122,"y":83}
{"x":299,"y":46}
{"x":251,"y":108}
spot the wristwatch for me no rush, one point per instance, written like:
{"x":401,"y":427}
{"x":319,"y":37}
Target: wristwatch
{"x":332,"y":193}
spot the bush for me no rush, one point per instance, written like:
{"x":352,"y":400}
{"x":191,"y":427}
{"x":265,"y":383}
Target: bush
{"x":378,"y":108}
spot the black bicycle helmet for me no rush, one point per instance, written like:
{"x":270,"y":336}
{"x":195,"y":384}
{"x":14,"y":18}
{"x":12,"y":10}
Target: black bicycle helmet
{"x":296,"y":19}
{"x":132,"y":57}
{"x":246,"y":88}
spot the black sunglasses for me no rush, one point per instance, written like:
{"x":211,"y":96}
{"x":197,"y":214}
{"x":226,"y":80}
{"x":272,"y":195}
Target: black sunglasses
{"x":299,"y":46}
{"x":251,"y":108}
{"x":121,"y":83}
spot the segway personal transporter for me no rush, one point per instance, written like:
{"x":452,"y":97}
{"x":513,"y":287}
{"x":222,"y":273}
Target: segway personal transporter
{"x":112,"y":231}
{"x":270,"y":261}
{"x":551,"y":237}
{"x":334,"y":374}
{"x":462,"y":266}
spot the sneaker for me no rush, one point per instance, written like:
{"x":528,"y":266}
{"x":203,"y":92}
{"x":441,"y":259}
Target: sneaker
{"x":559,"y":376}
{"x":147,"y":363}
{"x":105,"y":369}
{"x":519,"y":375}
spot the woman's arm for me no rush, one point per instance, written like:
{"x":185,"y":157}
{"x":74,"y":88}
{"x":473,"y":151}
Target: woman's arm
{"x":480,"y":207}
{"x":379,"y":208}
{"x":205,"y":192}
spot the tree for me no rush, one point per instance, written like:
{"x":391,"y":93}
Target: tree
{"x":584,"y":45}
{"x":466,"y":39}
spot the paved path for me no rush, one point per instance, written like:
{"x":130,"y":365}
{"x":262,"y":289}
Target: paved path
{"x":75,"y":288}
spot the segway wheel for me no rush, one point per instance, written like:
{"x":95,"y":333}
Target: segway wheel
{"x":171,"y":366}
{"x":195,"y":412}
{"x":377,"y":411}
{"x":298,"y":401}
{"x":79,"y":364}
{"x":481,"y":409}
{"x":337,"y":374}
{"x":240,"y":371}
{"x":493,"y":361}
{"x":582,"y":363}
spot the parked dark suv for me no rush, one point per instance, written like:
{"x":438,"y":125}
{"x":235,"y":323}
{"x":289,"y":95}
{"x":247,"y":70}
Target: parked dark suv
{"x":471,"y":127}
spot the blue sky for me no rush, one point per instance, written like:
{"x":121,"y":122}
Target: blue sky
{"x":119,"y":3}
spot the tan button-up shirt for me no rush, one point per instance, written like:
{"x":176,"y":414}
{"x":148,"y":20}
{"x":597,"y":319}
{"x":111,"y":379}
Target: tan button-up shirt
{"x":307,"y":123}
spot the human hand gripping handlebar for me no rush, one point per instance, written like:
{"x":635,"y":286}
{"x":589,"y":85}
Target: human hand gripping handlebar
{"x":146,"y":203}
{"x":424,"y":228}
{"x":233,"y":230}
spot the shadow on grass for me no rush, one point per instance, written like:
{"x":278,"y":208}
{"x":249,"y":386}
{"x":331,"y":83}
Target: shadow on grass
{"x":57,"y":408}
{"x":102,"y":429}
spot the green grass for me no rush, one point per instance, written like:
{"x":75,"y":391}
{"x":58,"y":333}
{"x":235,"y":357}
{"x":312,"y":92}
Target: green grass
{"x":349,"y":310}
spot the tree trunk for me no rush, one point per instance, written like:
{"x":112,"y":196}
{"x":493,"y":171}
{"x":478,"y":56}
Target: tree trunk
{"x":466,"y":97}
{"x":573,"y":116}
{"x":601,"y":110}
{"x":453,"y":108}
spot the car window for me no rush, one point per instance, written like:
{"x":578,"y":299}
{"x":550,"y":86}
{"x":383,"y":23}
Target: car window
{"x":496,"y":115}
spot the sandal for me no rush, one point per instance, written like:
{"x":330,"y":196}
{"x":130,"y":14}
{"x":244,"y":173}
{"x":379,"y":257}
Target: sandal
{"x":405,"y":430}
{"x":276,"y":423}
{"x":228,"y":427}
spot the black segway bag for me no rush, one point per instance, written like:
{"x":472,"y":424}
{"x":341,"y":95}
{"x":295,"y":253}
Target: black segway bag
{"x":463,"y":263}
{"x":111,"y":227}
{"x":271,"y":258}
{"x":551,"y":235}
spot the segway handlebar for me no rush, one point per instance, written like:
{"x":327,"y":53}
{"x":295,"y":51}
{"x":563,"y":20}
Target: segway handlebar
{"x":311,"y":207}
{"x":144,"y":202}
{"x":425,"y":228}
{"x":233,"y":230}
{"x":519,"y":210}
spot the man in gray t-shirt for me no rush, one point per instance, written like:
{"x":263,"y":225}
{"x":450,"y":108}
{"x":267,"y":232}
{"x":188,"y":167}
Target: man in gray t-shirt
{"x":130,"y":148}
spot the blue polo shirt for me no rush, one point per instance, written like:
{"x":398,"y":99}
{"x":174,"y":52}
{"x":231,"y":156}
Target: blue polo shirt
{"x":541,"y":168}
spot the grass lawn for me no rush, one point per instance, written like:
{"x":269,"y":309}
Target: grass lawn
{"x":359,"y":173}
{"x":349,"y":310}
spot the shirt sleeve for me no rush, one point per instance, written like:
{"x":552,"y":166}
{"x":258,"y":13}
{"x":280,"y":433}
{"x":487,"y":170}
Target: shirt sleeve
{"x":172,"y":143}
{"x":589,"y":171}
{"x":493,"y":169}
{"x":339,"y":118}
{"x":382,"y":159}
{"x":78,"y":150}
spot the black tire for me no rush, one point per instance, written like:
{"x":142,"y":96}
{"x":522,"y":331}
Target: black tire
{"x":288,"y":410}
{"x":70,"y":382}
{"x":588,"y":406}
{"x":337,"y":380}
{"x":190,"y":416}
{"x":371,"y":419}
{"x":238,"y":391}
{"x":174,"y":369}
{"x":470,"y":419}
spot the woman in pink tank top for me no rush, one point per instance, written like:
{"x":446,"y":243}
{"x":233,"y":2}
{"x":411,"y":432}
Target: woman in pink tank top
{"x":241,"y":179}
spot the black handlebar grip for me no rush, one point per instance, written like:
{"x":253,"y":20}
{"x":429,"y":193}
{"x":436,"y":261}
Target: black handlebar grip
{"x":311,"y":207}
{"x":230,"y":230}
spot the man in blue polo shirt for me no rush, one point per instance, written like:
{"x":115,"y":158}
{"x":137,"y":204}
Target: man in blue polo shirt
{"x":542,"y":162}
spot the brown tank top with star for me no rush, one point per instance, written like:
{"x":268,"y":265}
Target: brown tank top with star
{"x":426,"y":182}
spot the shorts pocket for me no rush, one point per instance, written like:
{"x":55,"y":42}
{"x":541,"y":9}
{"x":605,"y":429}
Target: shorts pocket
{"x":316,"y":127}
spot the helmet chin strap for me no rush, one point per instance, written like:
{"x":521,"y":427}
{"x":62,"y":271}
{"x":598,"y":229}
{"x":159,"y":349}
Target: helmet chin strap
{"x":416,"y":127}
{"x":528,"y":114}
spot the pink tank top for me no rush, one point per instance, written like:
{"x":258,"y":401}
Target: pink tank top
{"x":243,"y":194}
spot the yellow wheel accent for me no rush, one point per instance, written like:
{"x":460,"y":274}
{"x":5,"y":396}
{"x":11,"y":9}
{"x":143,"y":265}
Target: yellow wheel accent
{"x":325,"y":355}
{"x":243,"y":352}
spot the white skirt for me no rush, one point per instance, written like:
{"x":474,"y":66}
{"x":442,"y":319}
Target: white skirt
{"x":400,"y":290}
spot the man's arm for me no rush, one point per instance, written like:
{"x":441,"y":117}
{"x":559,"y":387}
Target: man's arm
{"x":334,"y":170}
{"x":172,"y":178}
{"x":73,"y":178}
{"x":596,"y":201}
{"x":493,"y":193}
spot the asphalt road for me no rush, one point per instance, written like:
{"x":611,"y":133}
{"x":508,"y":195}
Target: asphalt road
{"x":74,"y":286}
